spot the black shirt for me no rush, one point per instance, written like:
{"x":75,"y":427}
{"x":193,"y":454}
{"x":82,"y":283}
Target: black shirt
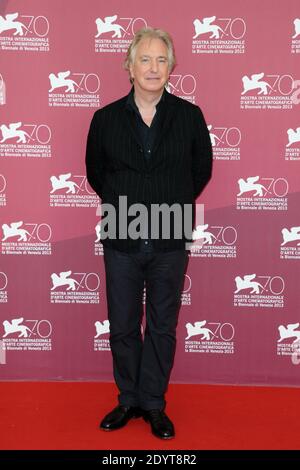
{"x":147,"y":136}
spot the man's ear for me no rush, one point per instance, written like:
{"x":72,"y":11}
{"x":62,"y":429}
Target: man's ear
{"x":131,"y":71}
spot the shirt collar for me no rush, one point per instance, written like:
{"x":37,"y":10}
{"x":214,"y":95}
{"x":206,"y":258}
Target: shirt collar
{"x":131,"y":104}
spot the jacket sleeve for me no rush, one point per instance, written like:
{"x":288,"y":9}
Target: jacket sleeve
{"x":95,"y":167}
{"x":201,"y":153}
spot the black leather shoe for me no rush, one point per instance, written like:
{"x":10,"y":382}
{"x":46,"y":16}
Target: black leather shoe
{"x":119,"y":417}
{"x":161,"y":425}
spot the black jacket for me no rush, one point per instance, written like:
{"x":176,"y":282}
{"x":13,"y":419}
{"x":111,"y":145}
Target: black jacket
{"x":178,"y":170}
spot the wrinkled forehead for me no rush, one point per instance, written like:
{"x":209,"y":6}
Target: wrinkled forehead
{"x":153,"y":47}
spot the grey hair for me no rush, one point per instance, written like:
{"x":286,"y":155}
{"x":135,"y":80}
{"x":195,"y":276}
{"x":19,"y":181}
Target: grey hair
{"x":151,"y":33}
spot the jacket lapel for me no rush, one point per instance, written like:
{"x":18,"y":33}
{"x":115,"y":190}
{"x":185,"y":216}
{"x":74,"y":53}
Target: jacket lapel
{"x":129,"y":124}
{"x":167,"y":116}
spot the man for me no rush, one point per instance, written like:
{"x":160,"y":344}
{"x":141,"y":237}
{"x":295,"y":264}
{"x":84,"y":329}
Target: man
{"x":154,"y":149}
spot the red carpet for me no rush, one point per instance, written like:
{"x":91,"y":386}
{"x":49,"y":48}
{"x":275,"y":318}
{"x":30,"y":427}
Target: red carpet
{"x":56,"y":415}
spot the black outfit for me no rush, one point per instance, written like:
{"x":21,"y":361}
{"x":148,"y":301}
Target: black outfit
{"x":179,"y":167}
{"x":146,"y":136}
{"x":175,"y":170}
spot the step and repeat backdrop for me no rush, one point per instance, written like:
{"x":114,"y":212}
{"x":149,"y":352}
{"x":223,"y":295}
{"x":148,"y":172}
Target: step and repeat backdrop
{"x":240,"y":62}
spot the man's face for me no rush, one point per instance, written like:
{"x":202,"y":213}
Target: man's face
{"x":150,"y":68}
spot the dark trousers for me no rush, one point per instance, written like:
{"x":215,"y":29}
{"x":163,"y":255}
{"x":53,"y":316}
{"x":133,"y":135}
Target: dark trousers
{"x":142,"y":366}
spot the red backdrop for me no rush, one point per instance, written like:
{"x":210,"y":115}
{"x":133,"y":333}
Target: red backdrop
{"x":60,"y":61}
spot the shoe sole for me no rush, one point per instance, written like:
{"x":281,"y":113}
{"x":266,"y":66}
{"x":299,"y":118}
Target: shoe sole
{"x":165,"y":438}
{"x":119,"y":427}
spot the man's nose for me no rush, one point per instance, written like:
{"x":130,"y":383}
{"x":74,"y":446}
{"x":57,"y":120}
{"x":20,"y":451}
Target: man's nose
{"x":154,"y":65}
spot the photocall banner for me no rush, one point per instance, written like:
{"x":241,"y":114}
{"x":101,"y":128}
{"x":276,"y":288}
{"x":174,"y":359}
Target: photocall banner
{"x":240,"y":62}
